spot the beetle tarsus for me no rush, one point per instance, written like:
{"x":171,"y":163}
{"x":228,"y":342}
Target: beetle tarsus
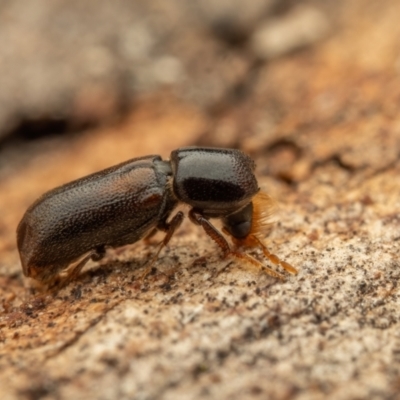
{"x":258,"y":266}
{"x":273,"y":257}
{"x":253,"y":241}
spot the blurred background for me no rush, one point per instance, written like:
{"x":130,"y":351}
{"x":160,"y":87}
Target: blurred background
{"x":84,"y":85}
{"x":69,"y":65}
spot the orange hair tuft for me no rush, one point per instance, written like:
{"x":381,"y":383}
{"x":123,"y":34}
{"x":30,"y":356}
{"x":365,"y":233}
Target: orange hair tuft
{"x":264,"y":207}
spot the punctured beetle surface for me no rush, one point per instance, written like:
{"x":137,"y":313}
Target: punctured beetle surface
{"x":120,"y":205}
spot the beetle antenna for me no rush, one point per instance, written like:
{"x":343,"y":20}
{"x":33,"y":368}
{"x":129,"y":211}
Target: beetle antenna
{"x":264,"y":207}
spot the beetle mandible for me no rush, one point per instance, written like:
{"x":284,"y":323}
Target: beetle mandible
{"x":120,"y":205}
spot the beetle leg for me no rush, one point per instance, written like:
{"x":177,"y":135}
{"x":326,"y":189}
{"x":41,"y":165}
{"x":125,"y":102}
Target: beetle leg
{"x":170,"y":228}
{"x":256,"y":242}
{"x":277,"y":261}
{"x":198,"y":219}
{"x":147,"y":239}
{"x":253,"y":241}
{"x":251,"y":261}
{"x":220,"y":240}
{"x":73,"y":272}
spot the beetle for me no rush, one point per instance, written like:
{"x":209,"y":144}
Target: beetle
{"x":120,"y":205}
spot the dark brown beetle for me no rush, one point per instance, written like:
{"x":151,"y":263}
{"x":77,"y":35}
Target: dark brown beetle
{"x":123,"y":204}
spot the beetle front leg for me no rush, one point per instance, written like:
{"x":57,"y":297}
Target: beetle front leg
{"x":252,"y":241}
{"x":197,"y":218}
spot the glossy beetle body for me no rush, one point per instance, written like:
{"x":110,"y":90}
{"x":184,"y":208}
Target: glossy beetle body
{"x":111,"y":208}
{"x":216,"y":181}
{"x":123,"y":204}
